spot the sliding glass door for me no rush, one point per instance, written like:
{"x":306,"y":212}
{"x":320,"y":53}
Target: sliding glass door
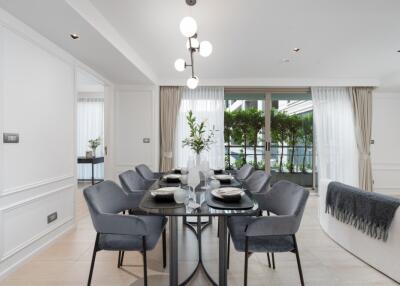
{"x":272,"y":130}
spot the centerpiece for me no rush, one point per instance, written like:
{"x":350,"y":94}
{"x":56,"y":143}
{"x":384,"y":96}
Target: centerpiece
{"x":199,"y":139}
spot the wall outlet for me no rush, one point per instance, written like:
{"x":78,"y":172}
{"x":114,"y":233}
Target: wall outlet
{"x":51,"y":217}
{"x":10,"y":138}
{"x":146,"y":140}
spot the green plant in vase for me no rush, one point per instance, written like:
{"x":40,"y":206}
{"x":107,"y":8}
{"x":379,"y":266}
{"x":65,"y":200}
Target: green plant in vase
{"x":93,"y":144}
{"x":199,"y":139}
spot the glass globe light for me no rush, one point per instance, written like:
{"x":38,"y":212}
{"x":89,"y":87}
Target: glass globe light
{"x":205,"y":48}
{"x":192,"y":82}
{"x":188,"y":27}
{"x":195,"y":43}
{"x":180,"y":65}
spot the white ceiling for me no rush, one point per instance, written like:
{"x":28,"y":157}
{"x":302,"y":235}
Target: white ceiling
{"x":137,"y":41}
{"x":338,"y":39}
{"x":55,"y":20}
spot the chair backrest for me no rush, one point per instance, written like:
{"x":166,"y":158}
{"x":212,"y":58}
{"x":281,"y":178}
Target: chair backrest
{"x":244,"y":172}
{"x":132,"y":181}
{"x":257,"y":182}
{"x":145,"y":172}
{"x":104,"y":198}
{"x":286,"y":198}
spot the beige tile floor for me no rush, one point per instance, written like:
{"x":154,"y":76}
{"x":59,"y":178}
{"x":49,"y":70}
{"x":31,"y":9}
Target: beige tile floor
{"x":67,"y":260}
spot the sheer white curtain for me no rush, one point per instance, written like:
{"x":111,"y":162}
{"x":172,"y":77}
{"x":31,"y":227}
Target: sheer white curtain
{"x":335,"y":135}
{"x":207,"y":103}
{"x":90,"y":120}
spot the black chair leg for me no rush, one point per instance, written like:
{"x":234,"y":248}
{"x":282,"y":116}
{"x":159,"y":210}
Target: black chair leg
{"x":229,"y":249}
{"x":144,"y":261}
{"x":95,"y":249}
{"x":298,"y":260}
{"x":164,"y":248}
{"x":119,"y":259}
{"x":122,"y":258}
{"x":246,"y":260}
{"x":273,"y":260}
{"x":269,"y":260}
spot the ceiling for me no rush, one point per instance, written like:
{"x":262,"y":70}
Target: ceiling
{"x":137,"y":41}
{"x":56,"y":20}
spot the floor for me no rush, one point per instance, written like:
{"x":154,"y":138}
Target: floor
{"x":67,"y":260}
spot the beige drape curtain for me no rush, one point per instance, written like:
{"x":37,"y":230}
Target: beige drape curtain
{"x":170,"y":101}
{"x":362,"y":105}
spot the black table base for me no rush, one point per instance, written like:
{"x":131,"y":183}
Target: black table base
{"x":200,"y":265}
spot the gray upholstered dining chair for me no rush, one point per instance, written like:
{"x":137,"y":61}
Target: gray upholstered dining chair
{"x":136,"y":186}
{"x":244,"y":172}
{"x":257,"y":182}
{"x":147,"y":174}
{"x":117,"y":232}
{"x":272,"y":233}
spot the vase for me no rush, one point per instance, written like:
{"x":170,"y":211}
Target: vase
{"x":198,"y":159}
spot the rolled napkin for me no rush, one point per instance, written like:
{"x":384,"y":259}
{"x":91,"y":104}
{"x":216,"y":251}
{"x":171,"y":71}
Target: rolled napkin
{"x":218,"y":172}
{"x":177,"y":171}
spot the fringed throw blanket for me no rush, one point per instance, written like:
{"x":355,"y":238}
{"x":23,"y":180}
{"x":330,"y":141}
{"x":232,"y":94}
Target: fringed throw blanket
{"x":370,"y":213}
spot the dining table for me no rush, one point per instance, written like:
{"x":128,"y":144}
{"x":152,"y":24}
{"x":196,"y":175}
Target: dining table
{"x":209,"y":207}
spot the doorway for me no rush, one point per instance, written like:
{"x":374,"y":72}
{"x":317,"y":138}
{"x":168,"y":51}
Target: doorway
{"x":90,"y":138}
{"x":272,"y":130}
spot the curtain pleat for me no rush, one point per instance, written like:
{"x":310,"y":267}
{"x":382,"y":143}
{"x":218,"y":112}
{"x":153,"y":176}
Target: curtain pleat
{"x":362,"y":107}
{"x":90,"y":121}
{"x":337,"y":154}
{"x":207,"y":103}
{"x":170,"y":100}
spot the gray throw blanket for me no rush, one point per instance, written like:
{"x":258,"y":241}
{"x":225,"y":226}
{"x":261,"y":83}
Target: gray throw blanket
{"x":370,"y":213}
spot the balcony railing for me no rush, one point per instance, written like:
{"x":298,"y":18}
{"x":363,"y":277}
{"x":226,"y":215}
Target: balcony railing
{"x":235,"y":154}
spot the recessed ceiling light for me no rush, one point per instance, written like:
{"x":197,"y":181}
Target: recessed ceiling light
{"x":285,"y":60}
{"x":296,"y":50}
{"x":74,"y":36}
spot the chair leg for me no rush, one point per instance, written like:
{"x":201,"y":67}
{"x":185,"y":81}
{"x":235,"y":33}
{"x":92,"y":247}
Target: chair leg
{"x":273,"y":260}
{"x":164,"y":248}
{"x":144,"y":261}
{"x":95,"y":249}
{"x":218,"y":227}
{"x":246,"y":260}
{"x":229,"y":249}
{"x":122,"y":258}
{"x":298,"y":260}
{"x":269,"y":260}
{"x":119,"y":259}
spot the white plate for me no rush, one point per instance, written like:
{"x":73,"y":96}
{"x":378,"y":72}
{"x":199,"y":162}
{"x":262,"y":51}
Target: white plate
{"x":167,"y":191}
{"x":222,"y":177}
{"x":172,"y":176}
{"x":227,"y":192}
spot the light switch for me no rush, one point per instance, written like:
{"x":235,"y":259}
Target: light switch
{"x":10,"y":138}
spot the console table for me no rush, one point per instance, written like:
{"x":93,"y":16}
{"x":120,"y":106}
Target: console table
{"x":93,"y":161}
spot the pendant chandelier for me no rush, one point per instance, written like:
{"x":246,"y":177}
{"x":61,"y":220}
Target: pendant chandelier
{"x":188,"y":28}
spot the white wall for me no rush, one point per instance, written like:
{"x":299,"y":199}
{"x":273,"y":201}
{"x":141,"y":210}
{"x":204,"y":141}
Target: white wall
{"x":37,"y":175}
{"x":385,"y":151}
{"x":136,"y":116}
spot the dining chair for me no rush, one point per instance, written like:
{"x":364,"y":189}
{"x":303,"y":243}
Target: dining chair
{"x":136,"y":186}
{"x":276,"y":233}
{"x":257,"y":182}
{"x":244,"y":172}
{"x":116,"y":232}
{"x":147,"y":173}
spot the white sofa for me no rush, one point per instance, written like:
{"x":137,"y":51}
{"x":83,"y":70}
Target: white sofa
{"x":384,"y":256}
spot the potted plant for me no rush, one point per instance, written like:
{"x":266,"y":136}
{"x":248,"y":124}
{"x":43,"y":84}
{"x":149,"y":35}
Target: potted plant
{"x":93,"y":144}
{"x":198,"y":139}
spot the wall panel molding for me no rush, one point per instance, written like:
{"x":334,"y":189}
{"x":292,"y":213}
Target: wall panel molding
{"x":24,"y":203}
{"x":34,"y":185}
